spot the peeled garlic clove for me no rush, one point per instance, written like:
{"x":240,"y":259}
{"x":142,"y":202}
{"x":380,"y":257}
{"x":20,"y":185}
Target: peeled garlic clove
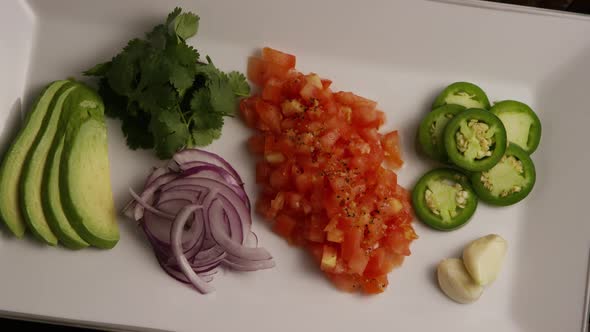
{"x":483,"y":258}
{"x":456,"y":283}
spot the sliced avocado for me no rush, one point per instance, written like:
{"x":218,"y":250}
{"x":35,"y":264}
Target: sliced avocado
{"x":85,"y":183}
{"x":14,"y":159}
{"x":52,"y":205}
{"x":32,"y":177}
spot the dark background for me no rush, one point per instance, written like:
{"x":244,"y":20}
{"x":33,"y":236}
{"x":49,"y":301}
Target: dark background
{"x":578,"y":6}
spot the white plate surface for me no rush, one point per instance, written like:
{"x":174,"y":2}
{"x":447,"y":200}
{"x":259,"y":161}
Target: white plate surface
{"x":400,"y":53}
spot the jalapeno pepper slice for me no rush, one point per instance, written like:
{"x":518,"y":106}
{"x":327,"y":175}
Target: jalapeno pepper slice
{"x":465,"y":94}
{"x":475,"y":140}
{"x":432,"y":128}
{"x":523,"y":126}
{"x":443,"y":199}
{"x":509,"y":182}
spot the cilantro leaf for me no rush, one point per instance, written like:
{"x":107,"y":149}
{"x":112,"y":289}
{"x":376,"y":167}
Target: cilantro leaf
{"x":99,"y":70}
{"x":165,"y":97}
{"x":238,"y":84}
{"x":204,"y":137}
{"x":184,"y":26}
{"x":137,"y":131}
{"x":157,"y":98}
{"x":115,"y":105}
{"x":173,"y":14}
{"x":203,"y":114}
{"x":170,"y":133}
{"x":222,"y":97}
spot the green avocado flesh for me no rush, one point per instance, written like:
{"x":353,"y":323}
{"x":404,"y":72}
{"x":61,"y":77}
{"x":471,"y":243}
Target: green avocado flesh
{"x":85,"y":178}
{"x":33,"y":173}
{"x":517,"y":127}
{"x":443,"y":198}
{"x":14,"y":160}
{"x":52,"y":204}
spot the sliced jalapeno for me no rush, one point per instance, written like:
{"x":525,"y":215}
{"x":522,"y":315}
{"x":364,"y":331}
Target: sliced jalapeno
{"x":465,"y":94}
{"x":443,"y":199}
{"x":431,"y":130}
{"x":475,"y":140}
{"x":523,"y":126}
{"x":510,"y":181}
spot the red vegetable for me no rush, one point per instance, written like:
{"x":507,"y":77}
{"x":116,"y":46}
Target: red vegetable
{"x":196,"y":215}
{"x":323,"y":186}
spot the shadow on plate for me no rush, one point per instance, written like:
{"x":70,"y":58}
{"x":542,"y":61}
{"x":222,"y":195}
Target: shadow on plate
{"x":552,"y":255}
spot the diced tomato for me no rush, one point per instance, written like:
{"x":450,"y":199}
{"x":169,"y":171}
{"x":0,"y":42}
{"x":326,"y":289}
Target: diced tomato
{"x":269,"y":115}
{"x":375,"y":285}
{"x":256,"y":144}
{"x":262,"y":172}
{"x":322,"y":182}
{"x":284,"y":225}
{"x":398,"y":243}
{"x":391,"y":148}
{"x":272,"y":91}
{"x":279,"y":179}
{"x":259,"y":71}
{"x":248,"y":111}
{"x":278,"y":57}
{"x":352,"y":242}
{"x":344,"y":282}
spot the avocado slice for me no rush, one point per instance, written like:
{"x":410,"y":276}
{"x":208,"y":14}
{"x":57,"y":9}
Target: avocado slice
{"x":14,"y":159}
{"x":52,"y":205}
{"x":84,"y":177}
{"x":33,"y":172}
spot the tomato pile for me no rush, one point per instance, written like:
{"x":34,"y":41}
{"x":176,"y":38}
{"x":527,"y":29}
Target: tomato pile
{"x":323,"y":186}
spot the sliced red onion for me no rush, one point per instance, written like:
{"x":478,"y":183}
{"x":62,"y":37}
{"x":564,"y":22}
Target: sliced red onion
{"x":196,"y":215}
{"x":258,"y":265}
{"x":176,"y":234}
{"x":215,"y":213}
{"x":211,"y":172}
{"x":149,"y":192}
{"x":190,"y":155}
{"x":150,"y":208}
{"x":156,"y":173}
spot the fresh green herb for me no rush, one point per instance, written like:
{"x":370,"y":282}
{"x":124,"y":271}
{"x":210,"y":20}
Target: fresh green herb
{"x":165,"y":97}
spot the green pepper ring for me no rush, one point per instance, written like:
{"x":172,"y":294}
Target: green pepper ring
{"x":512,"y":106}
{"x":529,"y":173}
{"x":451,"y":143}
{"x":480,"y":95}
{"x":423,"y":212}
{"x":436,"y":152}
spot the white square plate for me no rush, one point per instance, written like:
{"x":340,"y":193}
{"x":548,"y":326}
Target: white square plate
{"x":400,"y":53}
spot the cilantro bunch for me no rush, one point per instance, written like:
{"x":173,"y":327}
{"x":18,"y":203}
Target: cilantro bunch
{"x":165,"y":97}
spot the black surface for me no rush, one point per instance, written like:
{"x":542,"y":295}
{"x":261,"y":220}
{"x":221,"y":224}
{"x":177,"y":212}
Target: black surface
{"x":18,"y":325}
{"x":579,"y":6}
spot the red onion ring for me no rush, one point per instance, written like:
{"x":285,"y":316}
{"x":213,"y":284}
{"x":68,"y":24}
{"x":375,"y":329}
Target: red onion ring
{"x":196,"y":216}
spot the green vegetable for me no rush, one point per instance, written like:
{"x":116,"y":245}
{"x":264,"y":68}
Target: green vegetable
{"x":14,"y":160}
{"x":443,"y":199}
{"x":84,"y":177}
{"x":475,"y":140}
{"x":510,"y":181}
{"x":523,"y":126}
{"x":465,"y":94}
{"x":52,"y":202}
{"x":165,"y":97}
{"x":31,"y":194}
{"x":431,"y":130}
